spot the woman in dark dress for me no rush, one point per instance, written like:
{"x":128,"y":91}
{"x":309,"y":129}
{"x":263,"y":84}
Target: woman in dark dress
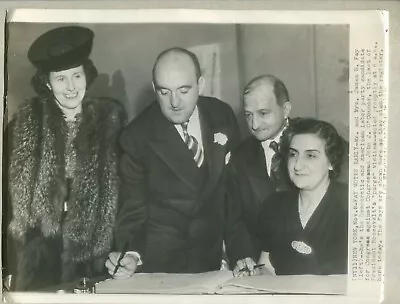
{"x":62,"y":173}
{"x":304,"y":231}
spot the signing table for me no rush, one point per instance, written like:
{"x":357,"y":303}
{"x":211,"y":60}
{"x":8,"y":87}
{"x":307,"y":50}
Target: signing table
{"x":222,"y":282}
{"x":180,"y":288}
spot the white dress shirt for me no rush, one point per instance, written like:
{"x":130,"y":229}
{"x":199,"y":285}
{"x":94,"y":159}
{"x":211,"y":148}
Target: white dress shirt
{"x":269,"y":153}
{"x":193,"y":129}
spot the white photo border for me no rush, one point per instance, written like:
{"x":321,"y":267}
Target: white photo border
{"x":373,"y":22}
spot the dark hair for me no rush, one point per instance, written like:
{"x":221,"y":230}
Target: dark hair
{"x":279,"y":88}
{"x":333,"y":141}
{"x":178,"y":50}
{"x":40,"y":80}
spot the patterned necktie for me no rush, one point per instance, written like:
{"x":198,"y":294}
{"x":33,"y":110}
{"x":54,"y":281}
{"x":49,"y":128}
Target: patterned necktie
{"x":275,"y":161}
{"x":193,"y":145}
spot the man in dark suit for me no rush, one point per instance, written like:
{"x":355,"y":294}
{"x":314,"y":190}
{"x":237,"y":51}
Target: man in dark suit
{"x":172,"y":212}
{"x":257,"y":169}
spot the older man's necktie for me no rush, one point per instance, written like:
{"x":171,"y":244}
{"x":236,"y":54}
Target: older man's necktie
{"x":193,"y":145}
{"x":275,"y":161}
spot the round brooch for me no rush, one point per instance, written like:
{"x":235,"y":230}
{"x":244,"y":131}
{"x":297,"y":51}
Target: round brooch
{"x":301,"y":247}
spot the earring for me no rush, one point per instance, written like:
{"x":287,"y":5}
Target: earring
{"x":49,"y":87}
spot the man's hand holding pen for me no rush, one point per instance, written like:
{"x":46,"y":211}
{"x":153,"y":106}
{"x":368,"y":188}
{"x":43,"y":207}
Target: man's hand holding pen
{"x":122,"y":265}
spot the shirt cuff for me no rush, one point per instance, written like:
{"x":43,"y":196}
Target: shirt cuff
{"x":136,"y":255}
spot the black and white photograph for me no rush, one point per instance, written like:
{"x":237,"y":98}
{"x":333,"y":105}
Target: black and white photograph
{"x":181,"y":158}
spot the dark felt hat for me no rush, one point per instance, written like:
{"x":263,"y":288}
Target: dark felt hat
{"x":61,"y":48}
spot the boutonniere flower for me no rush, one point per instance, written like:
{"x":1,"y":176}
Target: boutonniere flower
{"x":220,"y":138}
{"x":301,"y":247}
{"x":227,"y":157}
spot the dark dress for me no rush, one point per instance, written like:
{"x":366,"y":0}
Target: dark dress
{"x":318,"y":248}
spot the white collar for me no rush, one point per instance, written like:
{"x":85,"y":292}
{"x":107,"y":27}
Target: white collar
{"x":195,"y":114}
{"x":276,"y":139}
{"x":194,"y":117}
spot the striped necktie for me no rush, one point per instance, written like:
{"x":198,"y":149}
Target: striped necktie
{"x":275,"y":161}
{"x":193,"y":145}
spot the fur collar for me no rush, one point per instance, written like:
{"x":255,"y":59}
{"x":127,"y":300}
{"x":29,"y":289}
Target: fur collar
{"x":37,"y":183}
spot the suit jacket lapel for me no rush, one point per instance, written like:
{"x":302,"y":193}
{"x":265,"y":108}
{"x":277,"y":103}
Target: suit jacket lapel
{"x":257,"y":171}
{"x":169,"y":146}
{"x":214,"y":152}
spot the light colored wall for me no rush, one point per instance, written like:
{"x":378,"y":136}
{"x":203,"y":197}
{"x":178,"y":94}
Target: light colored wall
{"x":332,"y":71}
{"x":286,"y":52}
{"x":136,"y":48}
{"x":311,"y":60}
{"x":124,"y":56}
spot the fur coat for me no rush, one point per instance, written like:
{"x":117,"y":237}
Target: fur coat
{"x":54,"y":247}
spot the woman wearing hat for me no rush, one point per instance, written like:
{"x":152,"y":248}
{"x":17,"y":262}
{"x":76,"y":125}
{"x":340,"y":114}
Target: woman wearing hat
{"x":63,"y":183}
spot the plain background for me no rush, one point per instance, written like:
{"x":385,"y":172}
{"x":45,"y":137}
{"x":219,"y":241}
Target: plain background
{"x":312,"y":60}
